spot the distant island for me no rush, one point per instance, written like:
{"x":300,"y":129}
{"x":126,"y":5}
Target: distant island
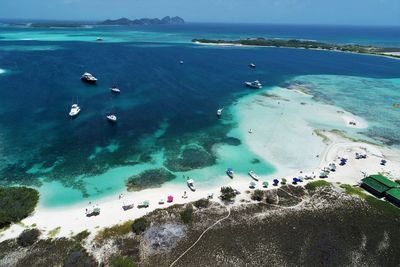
{"x":143,"y":21}
{"x":295,"y":43}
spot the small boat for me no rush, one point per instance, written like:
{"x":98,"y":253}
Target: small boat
{"x":252,"y":65}
{"x":190,"y":184}
{"x":127,"y":206}
{"x":332,"y":167}
{"x":219,"y":112}
{"x":254,"y":175}
{"x":111,"y":117}
{"x":88,"y":78}
{"x":94,"y":211}
{"x":252,"y":185}
{"x":115,"y":89}
{"x":99,"y":39}
{"x":75,"y":109}
{"x":181,"y":62}
{"x":230,"y":172}
{"x":250,"y":131}
{"x":256,"y":84}
{"x":144,"y":204}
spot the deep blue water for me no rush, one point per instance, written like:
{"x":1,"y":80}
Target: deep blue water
{"x":40,"y":85}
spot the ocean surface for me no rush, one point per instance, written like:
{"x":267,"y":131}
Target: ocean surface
{"x":166,"y":111}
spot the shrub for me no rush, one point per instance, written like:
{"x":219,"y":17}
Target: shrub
{"x":227,"y":193}
{"x":122,"y":261}
{"x":81,"y":236}
{"x":113,"y":231}
{"x":28,"y":237}
{"x":315,"y":184}
{"x":187,"y":214}
{"x":202,"y":203}
{"x":140,"y":225}
{"x":16,"y":203}
{"x":257,"y":195}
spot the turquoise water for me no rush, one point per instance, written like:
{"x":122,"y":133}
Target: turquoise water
{"x":166,"y":111}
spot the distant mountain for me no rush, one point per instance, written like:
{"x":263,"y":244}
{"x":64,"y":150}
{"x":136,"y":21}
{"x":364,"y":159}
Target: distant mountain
{"x":143,"y":21}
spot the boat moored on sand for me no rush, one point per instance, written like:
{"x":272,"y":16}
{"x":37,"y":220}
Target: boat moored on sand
{"x":230,"y":172}
{"x":254,"y":175}
{"x":190,"y":184}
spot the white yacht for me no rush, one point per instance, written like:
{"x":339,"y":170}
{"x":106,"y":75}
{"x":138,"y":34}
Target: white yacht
{"x":75,"y":109}
{"x":115,"y":89}
{"x":254,"y":175}
{"x":256,"y":84}
{"x":89,"y":78}
{"x":111,"y":117}
{"x":190,"y":184}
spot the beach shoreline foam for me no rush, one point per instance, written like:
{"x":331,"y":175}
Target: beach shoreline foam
{"x":283,"y":124}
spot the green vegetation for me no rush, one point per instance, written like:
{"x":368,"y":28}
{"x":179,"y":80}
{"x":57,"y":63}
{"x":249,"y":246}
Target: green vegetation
{"x":81,"y":236}
{"x":201,"y":203}
{"x":140,"y":225}
{"x":28,"y":237}
{"x":257,"y":195}
{"x":113,"y":231}
{"x":372,"y":200}
{"x":54,"y":232}
{"x":311,"y":186}
{"x":227,"y":194}
{"x":16,"y":203}
{"x":294,"y":43}
{"x":149,"y":179}
{"x":187,"y":214}
{"x":122,"y":261}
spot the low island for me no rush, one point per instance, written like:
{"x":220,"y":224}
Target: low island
{"x":306,"y":44}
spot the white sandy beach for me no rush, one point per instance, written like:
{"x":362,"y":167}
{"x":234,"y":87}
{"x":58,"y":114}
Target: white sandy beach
{"x":283,"y":132}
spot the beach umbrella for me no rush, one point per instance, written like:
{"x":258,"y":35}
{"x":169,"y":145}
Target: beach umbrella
{"x":265,"y":184}
{"x":276,"y":182}
{"x":295,"y":180}
{"x":170,"y":199}
{"x":252,"y":184}
{"x":146,"y":203}
{"x":283,"y":181}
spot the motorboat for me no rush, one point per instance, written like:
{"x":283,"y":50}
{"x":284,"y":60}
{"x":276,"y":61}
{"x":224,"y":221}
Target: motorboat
{"x":252,"y":65}
{"x":181,"y":62}
{"x":115,"y":89}
{"x":254,"y":175}
{"x":99,"y":39}
{"x":75,"y":109}
{"x":190,"y":184}
{"x":230,"y":172}
{"x":219,"y":112}
{"x":111,"y":117}
{"x":256,"y":84}
{"x":88,"y":78}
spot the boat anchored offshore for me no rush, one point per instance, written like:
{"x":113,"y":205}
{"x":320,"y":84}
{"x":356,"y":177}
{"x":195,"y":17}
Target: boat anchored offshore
{"x":254,"y":175}
{"x":256,"y":84}
{"x":89,"y":78}
{"x":190,"y":184}
{"x":99,"y":39}
{"x":252,"y":65}
{"x":219,"y":112}
{"x":230,"y":172}
{"x":115,"y":89}
{"x":75,"y":109}
{"x":111,"y":117}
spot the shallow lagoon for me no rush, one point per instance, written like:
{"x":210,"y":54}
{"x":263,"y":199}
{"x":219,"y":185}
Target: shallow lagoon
{"x":163,"y":108}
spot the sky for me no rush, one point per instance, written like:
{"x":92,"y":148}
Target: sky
{"x":347,"y":12}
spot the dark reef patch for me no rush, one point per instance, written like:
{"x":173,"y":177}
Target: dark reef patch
{"x":149,"y":179}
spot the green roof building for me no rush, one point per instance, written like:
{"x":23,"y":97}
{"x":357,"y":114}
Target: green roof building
{"x":378,"y":185}
{"x":393,"y":195}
